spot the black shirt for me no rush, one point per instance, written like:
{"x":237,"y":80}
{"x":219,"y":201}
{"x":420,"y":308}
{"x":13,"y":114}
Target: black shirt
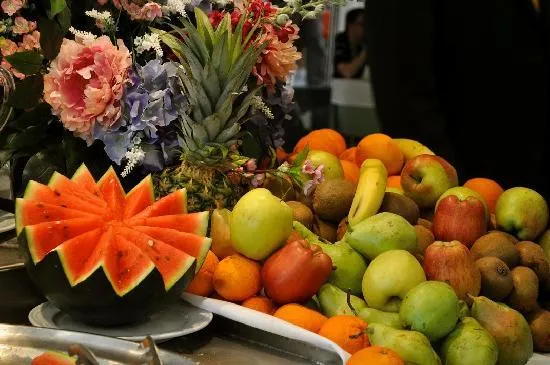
{"x":343,"y":53}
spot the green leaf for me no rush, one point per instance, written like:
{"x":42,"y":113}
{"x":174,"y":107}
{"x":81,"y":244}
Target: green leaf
{"x":51,"y":37}
{"x":228,"y":133}
{"x":56,"y":7}
{"x":26,"y":62}
{"x":301,"y":158}
{"x":196,"y":40}
{"x":64,"y":19}
{"x":5,"y":156}
{"x":204,"y":28}
{"x":27,"y":92}
{"x":211,"y":82}
{"x":172,"y":42}
{"x":39,"y":115}
{"x":42,"y":165}
{"x":213,"y":125}
{"x":29,"y":137}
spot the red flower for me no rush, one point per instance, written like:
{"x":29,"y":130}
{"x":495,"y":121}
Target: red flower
{"x":215,"y":17}
{"x":285,"y":32}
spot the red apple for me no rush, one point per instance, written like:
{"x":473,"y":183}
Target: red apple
{"x":425,"y":177}
{"x":461,"y":220}
{"x":452,"y":262}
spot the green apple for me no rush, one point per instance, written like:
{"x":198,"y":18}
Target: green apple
{"x":425,"y":177}
{"x":430,"y":308}
{"x":462,"y":193}
{"x":349,"y":266}
{"x":260,"y":223}
{"x":380,"y":233}
{"x":332,"y":167}
{"x":522,"y":212}
{"x":389,"y":277}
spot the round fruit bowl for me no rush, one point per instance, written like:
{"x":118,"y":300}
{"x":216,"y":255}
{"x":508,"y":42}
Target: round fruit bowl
{"x":106,"y":257}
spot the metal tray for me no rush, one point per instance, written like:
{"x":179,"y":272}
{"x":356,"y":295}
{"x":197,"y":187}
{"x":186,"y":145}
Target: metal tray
{"x":20,"y":344}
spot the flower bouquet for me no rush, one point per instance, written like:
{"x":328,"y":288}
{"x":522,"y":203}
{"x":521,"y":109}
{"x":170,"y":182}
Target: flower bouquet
{"x":195,"y":92}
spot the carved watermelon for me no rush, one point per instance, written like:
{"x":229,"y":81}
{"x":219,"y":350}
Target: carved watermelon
{"x":53,"y":358}
{"x":106,"y":257}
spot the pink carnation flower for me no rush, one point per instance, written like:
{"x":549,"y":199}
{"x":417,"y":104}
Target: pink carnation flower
{"x":11,"y":7}
{"x":151,"y":11}
{"x":30,"y":41}
{"x":23,"y":26}
{"x":85,"y":84}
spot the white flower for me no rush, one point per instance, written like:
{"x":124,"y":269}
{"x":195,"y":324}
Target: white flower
{"x":221,"y":2}
{"x":259,"y":104}
{"x":148,"y":42}
{"x":103,"y":19}
{"x":82,"y":36}
{"x":176,"y":7}
{"x":134,"y":157}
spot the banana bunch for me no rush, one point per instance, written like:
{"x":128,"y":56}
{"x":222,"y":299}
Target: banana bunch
{"x":411,"y":148}
{"x":371,"y":188}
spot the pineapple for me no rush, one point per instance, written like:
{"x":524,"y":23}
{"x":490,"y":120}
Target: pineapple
{"x":215,"y":68}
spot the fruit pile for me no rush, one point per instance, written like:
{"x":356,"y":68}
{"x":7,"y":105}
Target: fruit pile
{"x":390,"y":257}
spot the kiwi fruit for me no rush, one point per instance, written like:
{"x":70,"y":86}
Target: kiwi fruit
{"x":400,"y":205}
{"x":301,"y":213}
{"x":532,"y":256}
{"x":424,"y":237}
{"x":324,"y":230}
{"x":332,"y":199}
{"x":425,"y":223}
{"x":524,"y":295}
{"x":342,"y":228}
{"x":540,"y":329}
{"x":280,"y":187}
{"x":496,"y":244}
{"x":496,"y":278}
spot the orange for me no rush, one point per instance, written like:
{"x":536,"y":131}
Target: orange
{"x":202,"y":283}
{"x":237,"y":278}
{"x":375,"y":355}
{"x":349,"y":155}
{"x":301,"y":316}
{"x":394,"y":182}
{"x":325,"y":139}
{"x":351,"y":171}
{"x":281,"y":154}
{"x":260,"y":304}
{"x":346,"y":331}
{"x":382,"y":147}
{"x":487,"y":188}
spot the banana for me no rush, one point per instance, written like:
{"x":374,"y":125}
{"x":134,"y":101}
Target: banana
{"x":411,"y":148}
{"x":371,"y":188}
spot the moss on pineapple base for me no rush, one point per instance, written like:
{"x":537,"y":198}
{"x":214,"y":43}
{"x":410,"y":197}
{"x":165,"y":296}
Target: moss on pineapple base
{"x":207,"y":187}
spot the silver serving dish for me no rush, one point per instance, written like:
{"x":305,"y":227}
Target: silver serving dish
{"x":20,"y":344}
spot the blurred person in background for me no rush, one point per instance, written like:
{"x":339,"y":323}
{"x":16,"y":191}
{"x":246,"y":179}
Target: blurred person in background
{"x":470,"y":79}
{"x":350,"y":53}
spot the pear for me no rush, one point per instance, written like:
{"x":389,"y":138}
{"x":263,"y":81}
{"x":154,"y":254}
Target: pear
{"x":381,"y":233}
{"x":334,"y":301}
{"x":469,"y":343}
{"x":413,"y":347}
{"x":508,"y":327}
{"x":349,"y":266}
{"x":371,"y":315}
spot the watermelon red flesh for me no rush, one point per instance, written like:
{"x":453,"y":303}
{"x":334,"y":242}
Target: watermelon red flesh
{"x":84,"y":178}
{"x":124,"y":266}
{"x":140,"y":197}
{"x":66,"y":186}
{"x":169,"y":261}
{"x":42,"y":193}
{"x":173,"y":203}
{"x":53,"y":358}
{"x":196,"y":223}
{"x":81,"y":255}
{"x":113,"y":193}
{"x":44,"y":237}
{"x":192,"y":244}
{"x":28,"y":213}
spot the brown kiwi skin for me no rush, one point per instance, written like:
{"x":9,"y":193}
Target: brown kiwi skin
{"x":496,"y":278}
{"x":401,"y":205}
{"x":496,"y":244}
{"x":324,"y":230}
{"x":539,"y":322}
{"x":301,"y":213}
{"x":425,"y":237}
{"x":532,"y":256}
{"x":523,"y":297}
{"x":425,"y":223}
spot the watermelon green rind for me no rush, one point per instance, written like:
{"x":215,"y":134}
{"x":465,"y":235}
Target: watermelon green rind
{"x":94,"y":300}
{"x":140,"y":197}
{"x":53,"y":358}
{"x":173,"y":203}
